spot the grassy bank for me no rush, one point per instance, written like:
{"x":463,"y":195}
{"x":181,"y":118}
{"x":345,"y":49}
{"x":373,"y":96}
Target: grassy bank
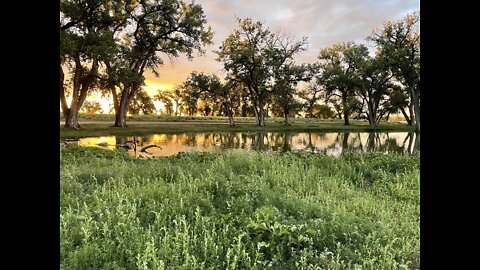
{"x":160,"y":118}
{"x":166,"y":118}
{"x":238,"y":210}
{"x":313,"y":125}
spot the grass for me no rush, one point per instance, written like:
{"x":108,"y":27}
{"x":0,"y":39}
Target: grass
{"x":160,"y":118}
{"x":167,"y":118}
{"x":245,"y":124}
{"x":238,"y":210}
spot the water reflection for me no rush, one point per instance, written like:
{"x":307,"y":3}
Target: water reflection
{"x":333,"y":143}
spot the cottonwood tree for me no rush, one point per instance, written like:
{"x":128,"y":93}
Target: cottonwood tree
{"x":170,"y":28}
{"x":338,"y":66}
{"x":323,"y":111}
{"x":166,"y":99}
{"x":375,"y":87}
{"x":91,"y":107}
{"x":226,"y":94}
{"x":286,"y":79}
{"x":141,"y":102}
{"x":310,"y":95}
{"x":250,"y":55}
{"x":399,"y":44}
{"x":173,"y":97}
{"x":85,"y":41}
{"x":399,"y":100}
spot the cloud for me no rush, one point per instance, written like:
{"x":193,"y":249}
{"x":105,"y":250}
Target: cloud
{"x":323,"y":22}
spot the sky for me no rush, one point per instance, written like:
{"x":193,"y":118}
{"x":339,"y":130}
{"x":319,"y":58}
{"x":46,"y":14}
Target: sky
{"x":324,"y":22}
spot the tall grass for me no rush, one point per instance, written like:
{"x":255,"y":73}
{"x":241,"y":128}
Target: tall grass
{"x":238,"y":210}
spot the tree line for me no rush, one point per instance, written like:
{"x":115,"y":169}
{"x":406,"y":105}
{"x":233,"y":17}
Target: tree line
{"x":108,"y":45}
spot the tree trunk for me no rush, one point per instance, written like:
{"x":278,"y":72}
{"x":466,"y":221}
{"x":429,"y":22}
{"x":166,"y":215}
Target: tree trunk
{"x":416,"y":108}
{"x":345,"y":110}
{"x":405,"y":115}
{"x":255,"y":111}
{"x":72,"y":119}
{"x":410,"y":111}
{"x":372,"y":118}
{"x":121,"y":120}
{"x":80,"y":91}
{"x":116,"y":104}
{"x":230,"y":114}
{"x":287,"y":118}
{"x":261,"y":115}
{"x":121,"y":117}
{"x":230,"y":119}
{"x":63,"y":99}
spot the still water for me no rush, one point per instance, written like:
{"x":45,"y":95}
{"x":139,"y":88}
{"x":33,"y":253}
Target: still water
{"x":331,"y":143}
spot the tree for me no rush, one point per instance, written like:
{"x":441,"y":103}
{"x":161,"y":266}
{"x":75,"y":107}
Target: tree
{"x":310,"y":95}
{"x":227,"y":94}
{"x":168,"y":27}
{"x":189,"y":97}
{"x":85,"y":41}
{"x":399,"y":100}
{"x":251,"y":55}
{"x":92,"y":107}
{"x":375,"y":88}
{"x":286,"y":79}
{"x":170,"y":98}
{"x":166,"y":98}
{"x":142,"y":102}
{"x":322,"y":111}
{"x":398,"y":43}
{"x":339,"y":72}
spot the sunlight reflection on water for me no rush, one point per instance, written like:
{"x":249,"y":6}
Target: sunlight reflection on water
{"x":332,"y":143}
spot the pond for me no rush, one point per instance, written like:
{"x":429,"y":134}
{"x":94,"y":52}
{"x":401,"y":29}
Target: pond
{"x":330,"y":143}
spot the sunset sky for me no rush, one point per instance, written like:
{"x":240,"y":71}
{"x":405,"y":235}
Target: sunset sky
{"x":323,"y":22}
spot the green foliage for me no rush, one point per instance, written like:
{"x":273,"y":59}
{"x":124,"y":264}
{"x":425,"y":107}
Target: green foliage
{"x":128,"y":37}
{"x":398,"y":44}
{"x":310,"y":95}
{"x":238,"y":210}
{"x":171,"y":98}
{"x":339,"y":74}
{"x":323,"y":111}
{"x":284,"y":88}
{"x":92,"y":107}
{"x":258,"y":60}
{"x":142,"y":102}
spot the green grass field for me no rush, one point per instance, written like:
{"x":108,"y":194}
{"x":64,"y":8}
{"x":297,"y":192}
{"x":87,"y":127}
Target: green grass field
{"x":238,"y":210}
{"x":166,"y":118}
{"x":243,"y":124}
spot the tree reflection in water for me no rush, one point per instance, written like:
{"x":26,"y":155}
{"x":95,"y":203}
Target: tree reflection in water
{"x":321,"y":143}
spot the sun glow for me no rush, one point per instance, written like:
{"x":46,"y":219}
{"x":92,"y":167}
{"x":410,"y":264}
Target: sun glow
{"x":107,"y":103}
{"x":152,"y":87}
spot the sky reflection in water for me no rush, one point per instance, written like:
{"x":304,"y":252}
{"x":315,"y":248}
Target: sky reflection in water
{"x":332,"y":143}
